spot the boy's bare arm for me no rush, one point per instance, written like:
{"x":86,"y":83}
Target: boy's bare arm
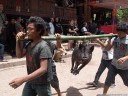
{"x":122,"y":59}
{"x":42,"y":70}
{"x":100,"y":42}
{"x":107,"y":44}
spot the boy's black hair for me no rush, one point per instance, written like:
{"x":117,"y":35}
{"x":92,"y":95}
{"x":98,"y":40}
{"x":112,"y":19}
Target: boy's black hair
{"x":39,"y":24}
{"x":122,"y":27}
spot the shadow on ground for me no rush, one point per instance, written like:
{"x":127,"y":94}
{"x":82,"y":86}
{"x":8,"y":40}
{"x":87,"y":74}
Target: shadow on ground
{"x":72,"y":91}
{"x":90,"y":86}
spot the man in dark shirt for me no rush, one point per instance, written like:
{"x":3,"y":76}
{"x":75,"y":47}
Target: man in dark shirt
{"x":58,"y":26}
{"x":38,"y":59}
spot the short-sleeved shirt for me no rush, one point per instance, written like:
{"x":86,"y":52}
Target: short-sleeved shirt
{"x":107,"y":54}
{"x":120,"y":50}
{"x":58,"y":27}
{"x":84,"y":29}
{"x":72,"y":28}
{"x":51,"y":43}
{"x":33,"y":56}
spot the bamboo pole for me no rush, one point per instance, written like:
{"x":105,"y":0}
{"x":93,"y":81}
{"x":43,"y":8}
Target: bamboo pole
{"x":62,"y":37}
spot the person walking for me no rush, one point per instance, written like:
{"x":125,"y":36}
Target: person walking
{"x":38,"y":58}
{"x":107,"y":56}
{"x":120,"y":57}
{"x":53,"y":45}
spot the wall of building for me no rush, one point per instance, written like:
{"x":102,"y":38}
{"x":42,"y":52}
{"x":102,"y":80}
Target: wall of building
{"x":43,"y":8}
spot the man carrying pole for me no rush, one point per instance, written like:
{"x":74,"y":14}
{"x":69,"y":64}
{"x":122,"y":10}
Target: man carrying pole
{"x":120,"y":59}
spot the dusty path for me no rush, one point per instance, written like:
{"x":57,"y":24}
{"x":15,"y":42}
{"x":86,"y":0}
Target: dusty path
{"x":70,"y":85}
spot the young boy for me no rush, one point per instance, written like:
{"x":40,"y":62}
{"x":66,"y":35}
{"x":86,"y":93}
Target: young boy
{"x":53,"y":45}
{"x":38,"y":58}
{"x":107,"y":56}
{"x":120,"y":57}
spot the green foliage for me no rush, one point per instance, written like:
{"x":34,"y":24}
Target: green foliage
{"x":122,"y":15}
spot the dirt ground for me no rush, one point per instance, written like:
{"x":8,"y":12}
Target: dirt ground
{"x":70,"y":85}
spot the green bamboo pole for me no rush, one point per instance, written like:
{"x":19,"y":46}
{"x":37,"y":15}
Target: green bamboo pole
{"x":62,"y":37}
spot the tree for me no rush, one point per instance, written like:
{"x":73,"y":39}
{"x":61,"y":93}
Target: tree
{"x":122,"y":15}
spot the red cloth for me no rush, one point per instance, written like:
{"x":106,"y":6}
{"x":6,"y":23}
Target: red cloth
{"x":108,"y":29}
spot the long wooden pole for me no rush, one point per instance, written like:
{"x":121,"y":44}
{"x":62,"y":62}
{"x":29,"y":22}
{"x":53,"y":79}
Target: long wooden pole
{"x":62,"y":37}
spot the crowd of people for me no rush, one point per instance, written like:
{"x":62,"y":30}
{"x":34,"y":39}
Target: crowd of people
{"x":9,"y":27}
{"x":15,"y":24}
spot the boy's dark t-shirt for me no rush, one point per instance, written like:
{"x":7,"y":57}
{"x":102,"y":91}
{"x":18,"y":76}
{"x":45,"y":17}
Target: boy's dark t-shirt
{"x":52,"y":45}
{"x":33,"y":56}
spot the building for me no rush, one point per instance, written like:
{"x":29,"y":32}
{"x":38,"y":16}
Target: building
{"x":50,"y":8}
{"x":43,"y":8}
{"x":92,"y":9}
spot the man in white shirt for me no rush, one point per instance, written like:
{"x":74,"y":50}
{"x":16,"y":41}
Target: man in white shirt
{"x":107,"y":56}
{"x":52,"y":28}
{"x":84,"y":29}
